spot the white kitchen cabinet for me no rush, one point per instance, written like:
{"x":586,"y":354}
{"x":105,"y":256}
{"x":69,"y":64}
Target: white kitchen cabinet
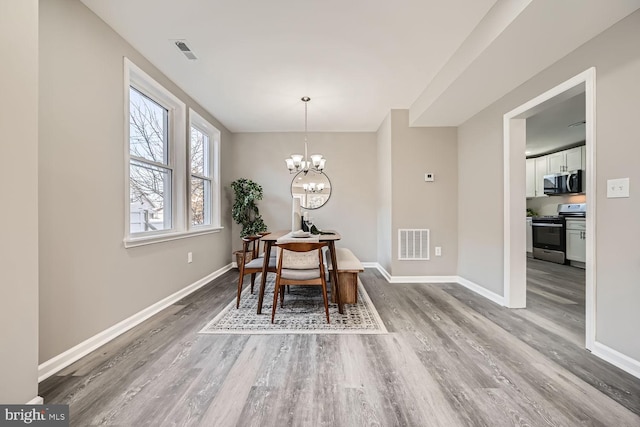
{"x":531,"y":178}
{"x":573,"y":158}
{"x":556,"y":162}
{"x":566,"y":160}
{"x":576,"y":240}
{"x":541,"y":171}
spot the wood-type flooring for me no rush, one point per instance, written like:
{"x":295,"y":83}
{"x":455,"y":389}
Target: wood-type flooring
{"x":452,"y":358}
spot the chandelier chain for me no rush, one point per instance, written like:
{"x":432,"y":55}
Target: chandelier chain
{"x":298,"y":163}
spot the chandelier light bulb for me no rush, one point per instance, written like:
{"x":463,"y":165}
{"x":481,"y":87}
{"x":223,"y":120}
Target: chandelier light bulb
{"x":290,"y":164}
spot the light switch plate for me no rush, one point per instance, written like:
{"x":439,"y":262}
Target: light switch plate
{"x":617,"y":188}
{"x":428,"y":177}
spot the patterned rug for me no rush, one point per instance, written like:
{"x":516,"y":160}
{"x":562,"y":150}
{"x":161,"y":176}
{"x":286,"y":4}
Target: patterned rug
{"x":303,"y":313}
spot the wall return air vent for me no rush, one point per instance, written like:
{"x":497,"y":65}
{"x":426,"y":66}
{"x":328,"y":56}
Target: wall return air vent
{"x":413,"y":244}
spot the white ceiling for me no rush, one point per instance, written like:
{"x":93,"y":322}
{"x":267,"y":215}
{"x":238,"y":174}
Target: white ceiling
{"x":551,"y":129}
{"x":356,"y":59}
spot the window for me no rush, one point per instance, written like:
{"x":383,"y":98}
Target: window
{"x":172,"y":180}
{"x":150,"y":171}
{"x":155,"y":158}
{"x":204,"y":183}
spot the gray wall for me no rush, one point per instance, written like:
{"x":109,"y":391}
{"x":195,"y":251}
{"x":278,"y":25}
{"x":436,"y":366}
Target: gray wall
{"x":384,"y":194}
{"x":351,"y":167}
{"x":88,"y":280}
{"x":420,"y":204}
{"x":19,"y":195}
{"x":616,"y":57}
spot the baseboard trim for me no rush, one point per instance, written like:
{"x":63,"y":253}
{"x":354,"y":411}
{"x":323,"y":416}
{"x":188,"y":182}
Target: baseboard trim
{"x":498,"y":299}
{"x":616,"y":358}
{"x":384,"y":272}
{"x":38,"y":400}
{"x":61,"y":361}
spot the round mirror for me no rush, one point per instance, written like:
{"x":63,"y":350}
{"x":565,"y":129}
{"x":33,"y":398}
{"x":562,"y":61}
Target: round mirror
{"x":313,"y":189}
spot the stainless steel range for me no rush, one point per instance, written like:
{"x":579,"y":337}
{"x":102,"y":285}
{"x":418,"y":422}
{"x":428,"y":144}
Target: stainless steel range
{"x":549,"y":233}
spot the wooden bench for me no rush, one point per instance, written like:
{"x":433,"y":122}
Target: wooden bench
{"x":348,"y":268}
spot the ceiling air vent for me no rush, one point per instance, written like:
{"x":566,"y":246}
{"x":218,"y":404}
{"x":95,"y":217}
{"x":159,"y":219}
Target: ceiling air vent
{"x":413,"y":244}
{"x":182,"y":45}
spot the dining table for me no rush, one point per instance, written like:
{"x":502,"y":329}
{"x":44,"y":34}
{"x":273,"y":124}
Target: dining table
{"x":331,"y":237}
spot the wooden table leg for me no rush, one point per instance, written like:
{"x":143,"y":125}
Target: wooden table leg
{"x":334,"y":275}
{"x":263,"y":279}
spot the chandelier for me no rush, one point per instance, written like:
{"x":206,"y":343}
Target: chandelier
{"x":312,"y":187}
{"x":299,"y":163}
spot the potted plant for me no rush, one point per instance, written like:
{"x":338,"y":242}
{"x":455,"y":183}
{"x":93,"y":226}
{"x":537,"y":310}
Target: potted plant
{"x":245,"y":211}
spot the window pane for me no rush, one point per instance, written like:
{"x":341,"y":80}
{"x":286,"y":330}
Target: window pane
{"x":149,"y":196}
{"x":199,"y":152}
{"x":200,"y":201}
{"x":147,"y":128}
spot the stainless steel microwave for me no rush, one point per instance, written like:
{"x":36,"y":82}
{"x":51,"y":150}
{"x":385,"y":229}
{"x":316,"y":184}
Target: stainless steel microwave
{"x":563,"y":183}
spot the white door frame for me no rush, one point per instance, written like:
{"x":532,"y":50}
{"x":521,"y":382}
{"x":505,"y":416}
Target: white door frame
{"x":515,"y":266}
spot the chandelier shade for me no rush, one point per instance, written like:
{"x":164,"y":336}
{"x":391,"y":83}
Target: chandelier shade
{"x":300,"y":163}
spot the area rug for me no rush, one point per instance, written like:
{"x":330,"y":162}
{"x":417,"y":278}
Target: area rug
{"x":303,"y":313}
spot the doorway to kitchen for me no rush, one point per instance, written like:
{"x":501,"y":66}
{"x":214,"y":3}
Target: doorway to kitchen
{"x":515,"y":259}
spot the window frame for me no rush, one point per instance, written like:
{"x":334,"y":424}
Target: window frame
{"x":213,"y":159}
{"x":179,"y":162}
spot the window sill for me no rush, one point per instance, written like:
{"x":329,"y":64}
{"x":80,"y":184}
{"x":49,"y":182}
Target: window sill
{"x":132,"y":242}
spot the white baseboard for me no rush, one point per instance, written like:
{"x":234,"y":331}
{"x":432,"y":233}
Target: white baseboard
{"x":61,"y":361}
{"x":384,"y":272}
{"x":411,"y":279}
{"x":38,"y":400}
{"x":616,"y":358}
{"x":498,"y":299}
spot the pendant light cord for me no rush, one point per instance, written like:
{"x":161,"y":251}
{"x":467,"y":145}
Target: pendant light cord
{"x":305,"y":129}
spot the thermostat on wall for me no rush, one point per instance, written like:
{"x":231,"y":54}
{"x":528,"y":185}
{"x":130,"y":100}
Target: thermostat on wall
{"x":429,"y":177}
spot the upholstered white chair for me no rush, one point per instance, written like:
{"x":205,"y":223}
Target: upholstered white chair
{"x":299,"y":263}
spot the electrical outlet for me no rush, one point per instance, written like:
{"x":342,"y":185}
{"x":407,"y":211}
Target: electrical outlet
{"x":189,"y":257}
{"x":429,"y":177}
{"x":438,"y":251}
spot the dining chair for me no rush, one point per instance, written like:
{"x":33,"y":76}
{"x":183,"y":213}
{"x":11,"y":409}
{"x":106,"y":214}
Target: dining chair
{"x":261,"y":253}
{"x":252,"y":244}
{"x":293,"y":269}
